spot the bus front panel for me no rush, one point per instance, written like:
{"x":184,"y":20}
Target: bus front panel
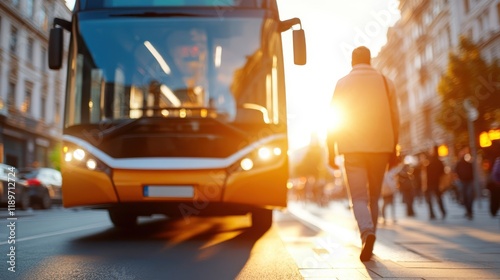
{"x":170,"y":109}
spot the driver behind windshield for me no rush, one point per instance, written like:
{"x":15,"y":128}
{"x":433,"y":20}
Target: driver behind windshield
{"x":189,"y":52}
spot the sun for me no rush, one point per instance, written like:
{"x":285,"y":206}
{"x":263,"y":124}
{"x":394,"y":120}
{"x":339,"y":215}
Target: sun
{"x":310,"y":116}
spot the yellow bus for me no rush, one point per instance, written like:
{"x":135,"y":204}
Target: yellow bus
{"x":175,"y":107}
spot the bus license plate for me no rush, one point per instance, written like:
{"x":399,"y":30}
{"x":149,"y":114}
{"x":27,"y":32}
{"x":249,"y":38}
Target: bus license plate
{"x":169,"y":191}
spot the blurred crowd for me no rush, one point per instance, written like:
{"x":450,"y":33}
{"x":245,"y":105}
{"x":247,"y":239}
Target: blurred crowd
{"x":420,"y":178}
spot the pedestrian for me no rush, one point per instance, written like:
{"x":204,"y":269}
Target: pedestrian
{"x":389,"y":189}
{"x":493,"y":181}
{"x":366,"y":101}
{"x":309,"y":167}
{"x":464,"y":172}
{"x":434,"y":171}
{"x":419,"y":176}
{"x":407,"y":186}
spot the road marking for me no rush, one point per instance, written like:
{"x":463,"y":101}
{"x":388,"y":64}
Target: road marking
{"x":38,"y":236}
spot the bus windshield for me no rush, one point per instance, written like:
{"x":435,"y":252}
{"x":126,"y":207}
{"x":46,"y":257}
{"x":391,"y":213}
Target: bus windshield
{"x":173,"y":3}
{"x":136,"y":67}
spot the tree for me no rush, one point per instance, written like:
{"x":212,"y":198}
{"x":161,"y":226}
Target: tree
{"x":468,"y":76}
{"x":313,"y":163}
{"x":55,"y":156}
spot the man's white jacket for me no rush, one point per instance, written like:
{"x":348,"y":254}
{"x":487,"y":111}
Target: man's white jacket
{"x":365,"y":117}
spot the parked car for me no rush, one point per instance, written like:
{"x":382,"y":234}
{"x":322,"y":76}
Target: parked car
{"x":9,"y":177}
{"x":44,"y":185}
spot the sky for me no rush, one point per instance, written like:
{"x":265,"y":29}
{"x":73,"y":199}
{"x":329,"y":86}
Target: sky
{"x":333,"y":28}
{"x":70,"y":4}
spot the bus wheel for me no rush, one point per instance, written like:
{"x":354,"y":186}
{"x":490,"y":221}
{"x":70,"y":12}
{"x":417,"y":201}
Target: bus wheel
{"x":262,"y":218}
{"x":122,"y":219}
{"x":25,"y":200}
{"x":45,"y":201}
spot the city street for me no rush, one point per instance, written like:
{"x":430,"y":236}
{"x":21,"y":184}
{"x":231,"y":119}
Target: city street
{"x":305,"y":242}
{"x":82,"y":244}
{"x":201,"y":107}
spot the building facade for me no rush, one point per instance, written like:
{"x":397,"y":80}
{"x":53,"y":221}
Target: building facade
{"x":31,"y":96}
{"x":416,"y":56}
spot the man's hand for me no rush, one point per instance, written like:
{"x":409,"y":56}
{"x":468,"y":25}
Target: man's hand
{"x":331,"y":161}
{"x":334,"y":166}
{"x":330,"y":143}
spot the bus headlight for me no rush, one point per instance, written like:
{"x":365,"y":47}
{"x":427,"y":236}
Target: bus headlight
{"x":264,"y":156}
{"x":91,"y":164}
{"x":77,"y":156}
{"x":264,"y":153}
{"x":246,"y":164}
{"x":68,"y":157}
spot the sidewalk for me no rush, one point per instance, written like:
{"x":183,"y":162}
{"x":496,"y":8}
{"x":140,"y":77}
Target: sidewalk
{"x":411,"y":248}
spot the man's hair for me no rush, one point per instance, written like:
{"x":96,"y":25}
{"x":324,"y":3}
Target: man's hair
{"x":361,"y":55}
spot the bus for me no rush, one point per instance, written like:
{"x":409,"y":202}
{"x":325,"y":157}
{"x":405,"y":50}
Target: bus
{"x":175,"y":107}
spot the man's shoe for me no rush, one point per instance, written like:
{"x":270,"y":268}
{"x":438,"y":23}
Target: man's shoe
{"x":366,"y":251}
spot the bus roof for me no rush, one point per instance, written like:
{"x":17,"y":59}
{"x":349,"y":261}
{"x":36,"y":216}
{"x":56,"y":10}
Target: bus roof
{"x":109,"y":4}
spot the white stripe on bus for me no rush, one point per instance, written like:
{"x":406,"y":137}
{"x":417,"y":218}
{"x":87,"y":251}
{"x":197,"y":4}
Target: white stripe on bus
{"x":164,"y":163}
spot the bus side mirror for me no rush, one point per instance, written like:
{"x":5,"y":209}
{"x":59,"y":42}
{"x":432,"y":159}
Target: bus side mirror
{"x":299,"y":47}
{"x":56,"y":48}
{"x":299,"y":40}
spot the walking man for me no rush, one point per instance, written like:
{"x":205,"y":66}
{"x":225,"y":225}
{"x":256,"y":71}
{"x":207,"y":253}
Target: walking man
{"x":434,"y":174}
{"x":407,"y":183}
{"x":464,"y":171}
{"x":365,"y":127}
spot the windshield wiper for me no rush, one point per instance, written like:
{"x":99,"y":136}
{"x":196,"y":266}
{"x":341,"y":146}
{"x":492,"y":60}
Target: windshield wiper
{"x":119,"y":128}
{"x":109,"y":132}
{"x":232,"y":128}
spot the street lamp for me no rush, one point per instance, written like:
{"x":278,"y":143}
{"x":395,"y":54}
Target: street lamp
{"x":472,"y":115}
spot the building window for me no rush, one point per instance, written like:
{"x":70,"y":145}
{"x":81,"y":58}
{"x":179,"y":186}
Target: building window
{"x":44,"y":58}
{"x":436,"y":8}
{"x":43,"y":107}
{"x":11,"y":95}
{"x":485,"y":21}
{"x":414,"y":32}
{"x":448,"y":36}
{"x":427,"y":123}
{"x":417,"y":62}
{"x":26,"y":107}
{"x":29,"y":8}
{"x":15,"y":3}
{"x":42,"y":20}
{"x":57,"y":116}
{"x":498,"y":13}
{"x":42,"y":155}
{"x":13,"y":40}
{"x":29,"y":50}
{"x":428,"y":52}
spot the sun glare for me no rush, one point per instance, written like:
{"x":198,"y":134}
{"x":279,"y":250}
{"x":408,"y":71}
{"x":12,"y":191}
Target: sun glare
{"x":333,"y":29}
{"x":335,"y":118}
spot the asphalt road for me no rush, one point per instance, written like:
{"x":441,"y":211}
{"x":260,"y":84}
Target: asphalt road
{"x":82,"y":244}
